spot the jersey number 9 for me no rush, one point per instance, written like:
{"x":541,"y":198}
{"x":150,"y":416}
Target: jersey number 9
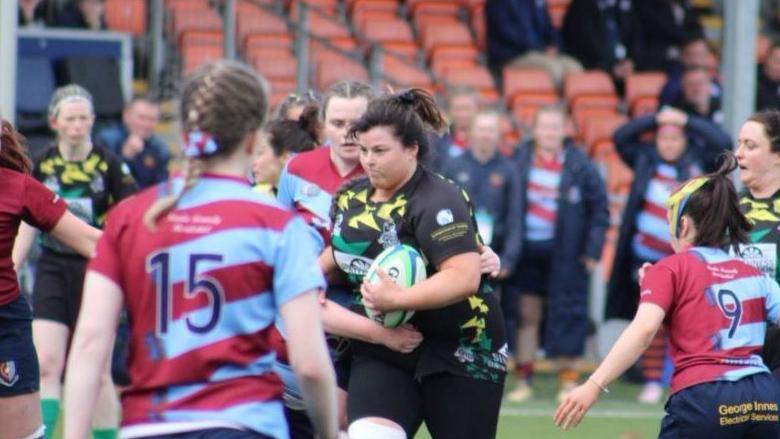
{"x":159,"y":266}
{"x":732,"y":309}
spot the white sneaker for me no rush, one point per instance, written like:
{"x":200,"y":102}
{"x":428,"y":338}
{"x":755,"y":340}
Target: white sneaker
{"x":651,"y":393}
{"x":521,"y":393}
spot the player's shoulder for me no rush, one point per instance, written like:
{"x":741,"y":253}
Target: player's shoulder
{"x":306,"y":162}
{"x":433,"y":186}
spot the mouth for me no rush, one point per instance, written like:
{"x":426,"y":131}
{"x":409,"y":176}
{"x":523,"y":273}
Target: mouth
{"x":349,"y":145}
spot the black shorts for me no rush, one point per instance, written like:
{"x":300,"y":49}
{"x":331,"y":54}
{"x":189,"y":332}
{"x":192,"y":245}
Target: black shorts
{"x":19,"y":373}
{"x":299,"y":424}
{"x":532,"y":273}
{"x":747,"y":408}
{"x":451,"y":406}
{"x":214,"y":433}
{"x":57,"y":292}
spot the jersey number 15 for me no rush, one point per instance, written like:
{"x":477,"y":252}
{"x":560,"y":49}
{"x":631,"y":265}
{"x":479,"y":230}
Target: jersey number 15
{"x":159,"y":266}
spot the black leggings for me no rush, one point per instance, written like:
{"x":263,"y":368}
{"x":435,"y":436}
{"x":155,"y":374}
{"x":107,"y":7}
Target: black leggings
{"x":452,"y":406}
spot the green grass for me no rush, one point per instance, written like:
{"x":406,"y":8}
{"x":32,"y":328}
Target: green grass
{"x":616,"y":416}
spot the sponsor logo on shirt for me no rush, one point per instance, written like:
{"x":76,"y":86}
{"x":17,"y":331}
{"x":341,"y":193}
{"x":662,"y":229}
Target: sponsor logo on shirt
{"x":445,"y":217}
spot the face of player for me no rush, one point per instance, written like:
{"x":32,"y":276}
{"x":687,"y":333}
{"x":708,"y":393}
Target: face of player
{"x":387,"y":162}
{"x":670,"y":144}
{"x":73,"y":122}
{"x":485,"y":135}
{"x":339,"y":115}
{"x":549,"y":131}
{"x":759,"y":167}
{"x":141,"y":118}
{"x":267,"y":166}
{"x":462,"y":110}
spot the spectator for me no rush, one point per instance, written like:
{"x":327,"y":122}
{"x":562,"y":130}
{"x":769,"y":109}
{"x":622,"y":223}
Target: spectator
{"x":768,"y":86}
{"x":602,"y":34}
{"x":31,"y":13}
{"x":519,"y":33}
{"x":83,"y":14}
{"x":666,"y":24}
{"x":658,"y":168}
{"x":696,"y":98}
{"x":770,"y":13}
{"x":671,"y":157}
{"x":695,"y":52}
{"x":463,"y":104}
{"x":134,"y":140}
{"x":564,"y":219}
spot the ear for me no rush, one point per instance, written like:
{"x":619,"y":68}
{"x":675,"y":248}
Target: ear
{"x":250,"y":143}
{"x":53,"y":123}
{"x":413,"y":150}
{"x":687,"y":230}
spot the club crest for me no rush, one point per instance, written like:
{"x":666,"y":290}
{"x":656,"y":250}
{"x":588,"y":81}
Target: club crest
{"x":8,"y":375}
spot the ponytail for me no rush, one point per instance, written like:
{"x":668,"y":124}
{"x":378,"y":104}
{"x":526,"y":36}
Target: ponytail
{"x":294,"y":136}
{"x":13,"y":154}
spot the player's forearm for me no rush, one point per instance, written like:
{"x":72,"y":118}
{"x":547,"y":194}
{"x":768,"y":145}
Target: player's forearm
{"x":448,"y":286}
{"x":340,"y":321}
{"x":319,"y":392}
{"x":624,"y":353}
{"x":22,"y":244}
{"x":82,"y":381}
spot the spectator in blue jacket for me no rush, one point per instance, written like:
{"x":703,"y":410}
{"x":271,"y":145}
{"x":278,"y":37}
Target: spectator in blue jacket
{"x":564,"y":219}
{"x":695,"y":52}
{"x":491,"y":181}
{"x":134,"y":140}
{"x":520,"y":33}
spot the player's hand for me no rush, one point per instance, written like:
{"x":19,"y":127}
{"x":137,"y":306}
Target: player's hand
{"x":643,"y":270}
{"x":576,"y":404}
{"x":380,"y":296}
{"x":489,"y":262}
{"x":403,"y":339}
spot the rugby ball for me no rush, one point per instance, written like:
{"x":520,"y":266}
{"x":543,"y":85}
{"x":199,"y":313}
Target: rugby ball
{"x":405,"y":265}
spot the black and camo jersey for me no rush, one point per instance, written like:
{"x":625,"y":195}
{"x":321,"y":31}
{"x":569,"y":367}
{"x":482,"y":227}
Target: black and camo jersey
{"x":435,"y":217}
{"x":764,"y":247}
{"x":89,"y":186}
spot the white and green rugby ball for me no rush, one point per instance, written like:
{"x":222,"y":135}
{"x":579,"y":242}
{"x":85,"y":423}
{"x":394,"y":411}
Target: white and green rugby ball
{"x":406,"y":267}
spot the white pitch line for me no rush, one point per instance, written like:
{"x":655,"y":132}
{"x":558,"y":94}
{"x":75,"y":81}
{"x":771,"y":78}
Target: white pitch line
{"x":608,"y":413}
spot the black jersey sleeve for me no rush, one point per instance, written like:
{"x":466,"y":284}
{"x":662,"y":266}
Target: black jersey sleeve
{"x":443,"y":222}
{"x":120,"y":181}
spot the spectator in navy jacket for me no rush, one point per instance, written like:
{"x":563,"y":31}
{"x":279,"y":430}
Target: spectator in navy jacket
{"x":696,"y":97}
{"x":82,"y":14}
{"x":462,"y":105}
{"x":603,"y":34}
{"x":519,"y":32}
{"x":134,"y":140}
{"x":564,"y":219}
{"x":695,"y":52}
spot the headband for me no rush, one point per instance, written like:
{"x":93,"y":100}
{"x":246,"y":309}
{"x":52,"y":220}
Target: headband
{"x":676,"y":203}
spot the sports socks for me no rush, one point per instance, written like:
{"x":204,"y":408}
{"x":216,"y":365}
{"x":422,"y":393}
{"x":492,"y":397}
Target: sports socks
{"x":50,"y":409}
{"x":568,"y":376}
{"x":524,"y":371}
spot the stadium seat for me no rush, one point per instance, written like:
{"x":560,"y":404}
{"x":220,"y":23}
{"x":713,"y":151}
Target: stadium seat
{"x":362,"y":19}
{"x":186,"y":20}
{"x":127,"y":16}
{"x":600,"y":128}
{"x":394,"y":30}
{"x":259,"y":22}
{"x":589,"y":89}
{"x":423,"y":11}
{"x":177,"y":5}
{"x":479,"y":25}
{"x":642,"y":90}
{"x":327,"y":27}
{"x":359,"y":8}
{"x":261,"y":41}
{"x":401,"y":73}
{"x":526,"y":81}
{"x":441,"y":66}
{"x":196,"y":55}
{"x":582,"y":115}
{"x":476,"y":77}
{"x":445,"y":34}
{"x":276,"y":68}
{"x":524,"y":106}
{"x":329,"y":72}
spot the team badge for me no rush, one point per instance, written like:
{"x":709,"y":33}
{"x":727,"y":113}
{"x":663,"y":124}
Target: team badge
{"x":8,"y":374}
{"x":445,"y":217}
{"x":310,"y":190}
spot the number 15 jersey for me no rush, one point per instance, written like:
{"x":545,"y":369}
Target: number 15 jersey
{"x":717,"y":308}
{"x":202,"y":294}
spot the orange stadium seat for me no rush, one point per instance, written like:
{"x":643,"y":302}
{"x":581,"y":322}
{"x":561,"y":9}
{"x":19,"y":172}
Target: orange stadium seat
{"x":394,"y":30}
{"x":176,"y":5}
{"x":642,"y":90}
{"x":196,"y":20}
{"x":526,"y":81}
{"x":405,"y":74}
{"x":264,"y":53}
{"x":195,"y":55}
{"x":127,"y":16}
{"x":524,"y":106}
{"x":325,"y":26}
{"x":325,"y":7}
{"x":259,"y":23}
{"x":364,"y":18}
{"x":330,"y":72}
{"x":441,"y":66}
{"x":368,"y":6}
{"x":476,"y":77}
{"x":479,"y":25}
{"x":445,"y":34}
{"x":424,"y":10}
{"x":276,"y":68}
{"x":280,"y":89}
{"x":598,"y":129}
{"x":590,"y":89}
{"x":254,"y":42}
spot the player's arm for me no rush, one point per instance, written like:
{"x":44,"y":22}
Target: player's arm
{"x":90,"y":348}
{"x":345,"y":323}
{"x":76,"y":234}
{"x":25,"y":238}
{"x":310,"y":361}
{"x":626,"y":351}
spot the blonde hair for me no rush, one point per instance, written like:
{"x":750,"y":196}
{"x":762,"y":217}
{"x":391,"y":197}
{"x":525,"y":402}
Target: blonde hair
{"x":69,"y":93}
{"x":221,"y":104}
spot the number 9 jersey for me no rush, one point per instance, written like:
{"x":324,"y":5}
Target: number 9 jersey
{"x":717,"y":308}
{"x":202,"y":294}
